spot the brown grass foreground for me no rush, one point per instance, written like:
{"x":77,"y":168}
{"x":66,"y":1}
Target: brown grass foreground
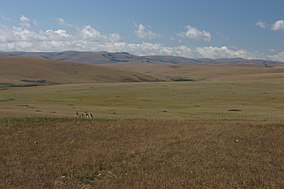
{"x":72,"y":153}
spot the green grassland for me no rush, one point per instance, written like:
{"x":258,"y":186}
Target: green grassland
{"x":176,"y":100}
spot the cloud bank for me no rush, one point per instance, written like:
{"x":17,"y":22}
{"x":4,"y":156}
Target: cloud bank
{"x":26,"y":37}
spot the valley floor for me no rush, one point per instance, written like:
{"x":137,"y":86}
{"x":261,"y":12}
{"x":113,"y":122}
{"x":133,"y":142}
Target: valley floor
{"x":143,"y":135}
{"x":150,"y":100}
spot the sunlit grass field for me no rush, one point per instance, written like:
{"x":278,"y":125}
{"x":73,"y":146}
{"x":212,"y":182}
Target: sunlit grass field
{"x":170,"y":100}
{"x":143,"y":135}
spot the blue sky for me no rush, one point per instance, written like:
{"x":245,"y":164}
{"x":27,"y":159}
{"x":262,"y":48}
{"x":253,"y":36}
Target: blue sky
{"x":191,"y":28}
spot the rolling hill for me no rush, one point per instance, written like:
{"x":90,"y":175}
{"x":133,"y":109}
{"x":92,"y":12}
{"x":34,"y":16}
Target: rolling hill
{"x":43,"y":68}
{"x":32,"y":71}
{"x":207,"y":72}
{"x":124,"y":57}
{"x":82,"y":57}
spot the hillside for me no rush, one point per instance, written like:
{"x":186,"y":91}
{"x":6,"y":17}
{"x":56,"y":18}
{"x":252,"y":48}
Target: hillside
{"x":124,"y":57}
{"x":82,"y":57}
{"x":224,"y":72}
{"x":39,"y":68}
{"x":31,"y":71}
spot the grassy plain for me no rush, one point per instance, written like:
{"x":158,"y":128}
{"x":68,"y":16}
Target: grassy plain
{"x":176,"y":100}
{"x":219,"y":132}
{"x":140,"y":153}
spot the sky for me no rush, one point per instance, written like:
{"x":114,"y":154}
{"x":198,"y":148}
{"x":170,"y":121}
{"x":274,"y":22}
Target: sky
{"x":251,"y":29}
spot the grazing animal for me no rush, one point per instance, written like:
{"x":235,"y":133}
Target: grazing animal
{"x":78,"y":115}
{"x":86,"y":115}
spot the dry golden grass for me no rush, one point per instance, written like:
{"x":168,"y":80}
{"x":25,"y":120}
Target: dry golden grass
{"x":14,"y":69}
{"x":224,"y":129}
{"x":208,"y":72}
{"x":101,"y":153}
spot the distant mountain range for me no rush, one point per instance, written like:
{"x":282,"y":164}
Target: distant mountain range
{"x":123,"y":57}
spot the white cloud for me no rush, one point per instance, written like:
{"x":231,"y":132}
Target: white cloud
{"x":23,"y":34}
{"x":260,"y":24}
{"x":89,"y":39}
{"x":91,"y":34}
{"x":57,"y":34}
{"x":227,"y":52}
{"x":62,"y":22}
{"x":278,"y":57}
{"x":114,"y":37}
{"x":4,"y":32}
{"x":85,"y":39}
{"x":28,"y":39}
{"x":195,"y":33}
{"x":149,"y":49}
{"x":278,"y":25}
{"x":144,"y":33}
{"x":27,"y":22}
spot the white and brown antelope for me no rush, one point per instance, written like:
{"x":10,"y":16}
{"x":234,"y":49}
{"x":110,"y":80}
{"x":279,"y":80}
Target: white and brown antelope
{"x":86,"y":115}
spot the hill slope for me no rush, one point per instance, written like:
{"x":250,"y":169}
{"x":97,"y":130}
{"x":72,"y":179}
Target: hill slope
{"x":15,"y":70}
{"x":224,"y":72}
{"x":82,"y":57}
{"x":123,"y":57}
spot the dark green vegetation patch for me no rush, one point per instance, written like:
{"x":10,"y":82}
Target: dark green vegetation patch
{"x":6,"y":99}
{"x":182,"y":79}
